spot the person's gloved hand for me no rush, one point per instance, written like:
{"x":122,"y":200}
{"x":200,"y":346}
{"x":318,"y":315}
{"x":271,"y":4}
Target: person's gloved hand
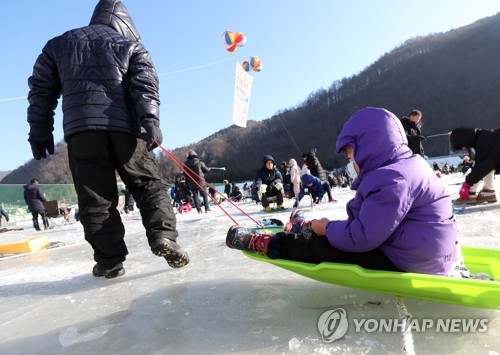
{"x":152,"y":130}
{"x":464,"y":191}
{"x":278,"y":185}
{"x":41,"y":142}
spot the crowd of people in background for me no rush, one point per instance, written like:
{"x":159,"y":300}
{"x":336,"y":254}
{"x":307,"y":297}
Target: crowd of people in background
{"x":275,"y":183}
{"x":289,"y":181}
{"x":272,"y":184}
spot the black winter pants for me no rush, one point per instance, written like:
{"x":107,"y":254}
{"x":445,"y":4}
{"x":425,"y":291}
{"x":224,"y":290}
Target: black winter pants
{"x":318,"y":249}
{"x":273,"y":193}
{"x":42,"y":214}
{"x":94,"y":158}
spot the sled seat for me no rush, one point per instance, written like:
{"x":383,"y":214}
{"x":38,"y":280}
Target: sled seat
{"x":56,"y":214}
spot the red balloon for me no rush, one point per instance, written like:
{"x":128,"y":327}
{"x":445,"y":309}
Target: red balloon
{"x":232,"y":47}
{"x":240,"y":39}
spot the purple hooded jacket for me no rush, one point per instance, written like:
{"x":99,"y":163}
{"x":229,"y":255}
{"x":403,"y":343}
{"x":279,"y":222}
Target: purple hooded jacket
{"x":400,"y":207}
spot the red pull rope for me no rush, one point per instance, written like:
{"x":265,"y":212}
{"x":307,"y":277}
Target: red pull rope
{"x":191,"y":175}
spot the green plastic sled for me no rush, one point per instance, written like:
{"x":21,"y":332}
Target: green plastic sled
{"x":459,"y":291}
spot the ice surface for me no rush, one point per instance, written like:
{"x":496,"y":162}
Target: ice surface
{"x":221,"y":303}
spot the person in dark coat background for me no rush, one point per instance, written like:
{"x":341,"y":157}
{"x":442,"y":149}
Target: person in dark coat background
{"x":111,"y":123}
{"x":197,"y":171}
{"x":413,"y":129}
{"x":227,"y":188}
{"x":314,"y":166}
{"x":34,"y":198}
{"x":236,"y":194}
{"x":269,"y":183}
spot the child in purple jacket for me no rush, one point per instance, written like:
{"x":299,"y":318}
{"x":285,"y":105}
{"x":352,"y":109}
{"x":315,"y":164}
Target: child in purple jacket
{"x":400,"y":218}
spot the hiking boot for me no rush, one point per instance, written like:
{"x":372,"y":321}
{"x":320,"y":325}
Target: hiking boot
{"x":248,"y":239}
{"x":280,"y":207}
{"x":472,"y":200}
{"x":298,"y":226}
{"x":171,"y":251}
{"x":331,"y":199}
{"x":486,"y":195}
{"x":268,"y":209}
{"x":100,"y":270}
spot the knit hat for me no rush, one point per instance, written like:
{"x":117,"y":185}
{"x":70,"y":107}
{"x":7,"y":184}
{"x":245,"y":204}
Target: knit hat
{"x":463,"y":137}
{"x":192,"y":153}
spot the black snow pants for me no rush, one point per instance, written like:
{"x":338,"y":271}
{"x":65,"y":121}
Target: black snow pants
{"x":42,"y":214}
{"x":318,"y":249}
{"x":94,"y":159}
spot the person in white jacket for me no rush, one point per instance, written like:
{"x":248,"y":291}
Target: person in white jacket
{"x":295,"y":174}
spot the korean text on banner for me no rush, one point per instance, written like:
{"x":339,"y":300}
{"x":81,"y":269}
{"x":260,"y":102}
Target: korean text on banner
{"x":242,"y":88}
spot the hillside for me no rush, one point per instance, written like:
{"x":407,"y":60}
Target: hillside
{"x":3,"y":174}
{"x":452,"y":77}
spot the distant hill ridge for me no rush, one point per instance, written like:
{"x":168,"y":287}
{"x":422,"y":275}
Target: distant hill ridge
{"x":452,"y":77}
{"x":3,"y":174}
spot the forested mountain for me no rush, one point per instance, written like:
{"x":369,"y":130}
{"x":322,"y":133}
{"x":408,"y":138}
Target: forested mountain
{"x":452,"y":77}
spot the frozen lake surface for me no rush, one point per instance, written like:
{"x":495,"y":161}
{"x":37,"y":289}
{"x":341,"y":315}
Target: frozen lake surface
{"x":221,"y":303}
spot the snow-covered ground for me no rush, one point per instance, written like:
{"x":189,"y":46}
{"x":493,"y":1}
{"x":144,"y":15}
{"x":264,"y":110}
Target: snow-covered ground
{"x":221,"y":303}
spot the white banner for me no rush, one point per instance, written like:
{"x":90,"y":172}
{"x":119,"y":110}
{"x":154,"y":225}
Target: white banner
{"x":242,"y":88}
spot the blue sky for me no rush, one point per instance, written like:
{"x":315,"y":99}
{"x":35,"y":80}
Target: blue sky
{"x":304,"y":46}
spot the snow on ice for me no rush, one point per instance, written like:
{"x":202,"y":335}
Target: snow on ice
{"x":221,"y":303}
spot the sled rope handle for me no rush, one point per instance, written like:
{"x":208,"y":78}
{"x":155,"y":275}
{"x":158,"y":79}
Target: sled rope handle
{"x":191,"y":175}
{"x":405,"y":318}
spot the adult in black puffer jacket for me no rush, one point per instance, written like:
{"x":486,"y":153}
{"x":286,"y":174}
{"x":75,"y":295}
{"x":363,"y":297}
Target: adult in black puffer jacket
{"x":34,"y":198}
{"x":269,"y":183}
{"x":413,"y":128}
{"x":110,"y":101}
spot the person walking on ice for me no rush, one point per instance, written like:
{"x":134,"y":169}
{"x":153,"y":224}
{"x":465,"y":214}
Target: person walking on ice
{"x":110,"y":117}
{"x":34,"y":198}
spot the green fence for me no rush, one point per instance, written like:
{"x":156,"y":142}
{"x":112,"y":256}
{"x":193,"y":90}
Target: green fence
{"x":14,"y":193}
{"x":12,"y":198}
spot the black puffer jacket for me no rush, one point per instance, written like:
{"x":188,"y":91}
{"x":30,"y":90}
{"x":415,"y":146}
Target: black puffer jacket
{"x":414,"y":135}
{"x":486,"y":143}
{"x":314,"y":166}
{"x":34,"y":197}
{"x":105,"y":74}
{"x":197,"y":171}
{"x":266,"y":176}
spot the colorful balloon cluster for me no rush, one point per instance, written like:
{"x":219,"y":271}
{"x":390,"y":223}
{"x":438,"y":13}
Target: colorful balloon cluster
{"x":253,"y":63}
{"x":233,"y":40}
